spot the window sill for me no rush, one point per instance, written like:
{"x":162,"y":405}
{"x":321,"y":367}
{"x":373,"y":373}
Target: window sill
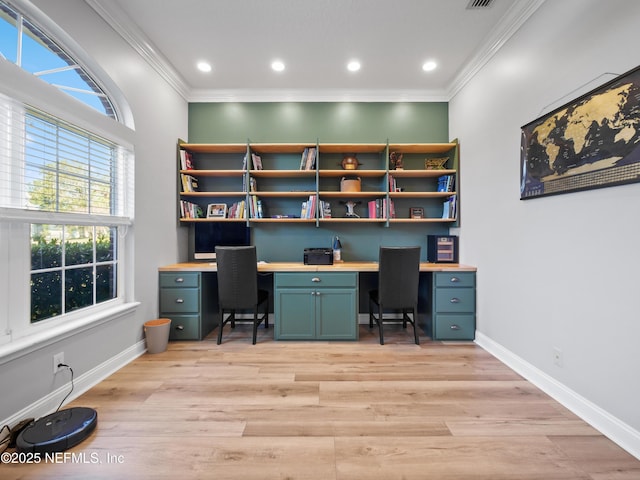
{"x":36,"y":341}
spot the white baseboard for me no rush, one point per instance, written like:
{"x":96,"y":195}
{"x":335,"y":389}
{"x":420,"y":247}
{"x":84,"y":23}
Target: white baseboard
{"x":617,"y":431}
{"x":81,"y":384}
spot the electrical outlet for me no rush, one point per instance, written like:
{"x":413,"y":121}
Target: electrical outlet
{"x":58,"y":358}
{"x":557,"y":357}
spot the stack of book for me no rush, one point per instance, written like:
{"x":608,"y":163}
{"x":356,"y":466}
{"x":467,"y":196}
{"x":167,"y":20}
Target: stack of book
{"x":255,"y":207}
{"x":238,"y":210}
{"x":186,"y":160}
{"x":309,"y":207}
{"x":257,"y":161}
{"x":190,"y":210}
{"x":378,"y":208}
{"x":308,"y":159}
{"x":325,"y":209}
{"x":189,"y":183}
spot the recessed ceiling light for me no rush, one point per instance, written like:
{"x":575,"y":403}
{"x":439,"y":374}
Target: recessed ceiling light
{"x":353,"y":66}
{"x":429,"y":66}
{"x":204,"y":66}
{"x":277,"y":65}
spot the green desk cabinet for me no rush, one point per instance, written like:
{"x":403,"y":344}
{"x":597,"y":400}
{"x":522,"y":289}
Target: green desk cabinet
{"x":453,"y":313}
{"x":184,"y":299}
{"x":316,"y":306}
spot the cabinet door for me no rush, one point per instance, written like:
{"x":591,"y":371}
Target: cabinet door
{"x":295,"y":312}
{"x":336,"y":314}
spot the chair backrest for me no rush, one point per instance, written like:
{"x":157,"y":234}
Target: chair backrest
{"x":237,"y":276}
{"x":399,"y":273}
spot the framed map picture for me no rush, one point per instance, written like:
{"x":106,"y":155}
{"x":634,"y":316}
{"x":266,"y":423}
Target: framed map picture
{"x":591,"y":142}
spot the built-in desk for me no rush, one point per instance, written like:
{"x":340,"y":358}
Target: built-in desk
{"x":320,"y":307}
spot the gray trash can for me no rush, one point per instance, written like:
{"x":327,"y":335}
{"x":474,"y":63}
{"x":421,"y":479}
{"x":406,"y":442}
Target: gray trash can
{"x":156,"y":333}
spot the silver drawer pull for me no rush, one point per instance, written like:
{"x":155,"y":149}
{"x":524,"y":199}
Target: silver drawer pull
{"x":455,"y":300}
{"x":179,"y":280}
{"x":454,"y":327}
{"x":315,"y":279}
{"x":179,"y":300}
{"x":454,"y":279}
{"x":179,"y":327}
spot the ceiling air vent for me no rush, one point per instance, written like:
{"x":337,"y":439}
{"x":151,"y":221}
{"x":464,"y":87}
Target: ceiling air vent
{"x":476,"y":4}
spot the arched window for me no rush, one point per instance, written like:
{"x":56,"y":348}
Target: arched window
{"x":66,"y":176}
{"x":26,"y":45}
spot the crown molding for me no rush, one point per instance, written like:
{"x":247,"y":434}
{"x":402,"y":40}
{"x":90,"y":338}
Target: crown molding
{"x":315,"y":95}
{"x":131,"y":33}
{"x":509,"y":24}
{"x":515,"y":17}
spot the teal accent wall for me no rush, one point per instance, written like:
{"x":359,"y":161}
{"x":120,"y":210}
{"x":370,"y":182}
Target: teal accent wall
{"x":292,"y":122}
{"x":340,"y":122}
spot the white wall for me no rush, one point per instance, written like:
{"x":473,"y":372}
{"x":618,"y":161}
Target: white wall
{"x":160,"y":116}
{"x":562,"y":271}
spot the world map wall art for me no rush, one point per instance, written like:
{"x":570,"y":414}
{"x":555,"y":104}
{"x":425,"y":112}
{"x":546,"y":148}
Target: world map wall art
{"x":591,"y":142}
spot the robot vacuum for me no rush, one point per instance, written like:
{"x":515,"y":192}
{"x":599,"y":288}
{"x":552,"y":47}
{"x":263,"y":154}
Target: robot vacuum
{"x":58,"y":431}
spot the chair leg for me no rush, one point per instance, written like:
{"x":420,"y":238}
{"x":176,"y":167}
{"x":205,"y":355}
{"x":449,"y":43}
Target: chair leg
{"x":220,"y":326}
{"x":266,"y":313}
{"x":255,"y":323}
{"x":379,"y":321}
{"x":371,"y":307}
{"x":415,"y":327}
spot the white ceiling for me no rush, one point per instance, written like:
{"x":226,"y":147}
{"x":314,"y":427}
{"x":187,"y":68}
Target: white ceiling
{"x":315,"y":39}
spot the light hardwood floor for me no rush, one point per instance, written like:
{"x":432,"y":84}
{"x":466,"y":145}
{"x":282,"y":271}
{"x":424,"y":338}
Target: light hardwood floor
{"x":330,"y":410}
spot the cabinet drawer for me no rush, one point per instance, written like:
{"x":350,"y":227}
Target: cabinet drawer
{"x":179,"y":279}
{"x":455,"y":279}
{"x":184,"y":327}
{"x":316,"y":279}
{"x":179,"y":300}
{"x":455,"y":300}
{"x":454,"y":327}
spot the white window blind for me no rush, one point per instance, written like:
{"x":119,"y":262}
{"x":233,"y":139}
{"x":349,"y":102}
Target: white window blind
{"x":49,"y":165}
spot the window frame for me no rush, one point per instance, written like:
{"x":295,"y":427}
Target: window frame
{"x":18,"y":335}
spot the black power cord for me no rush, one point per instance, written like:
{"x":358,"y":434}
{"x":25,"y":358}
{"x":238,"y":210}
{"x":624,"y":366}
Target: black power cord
{"x":67,"y":395}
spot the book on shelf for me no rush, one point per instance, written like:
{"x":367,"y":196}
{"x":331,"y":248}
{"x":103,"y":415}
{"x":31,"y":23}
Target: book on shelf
{"x":325,"y":209}
{"x":308,"y":209}
{"x":392,"y":183}
{"x":378,"y":208}
{"x":255,"y":207}
{"x":446,"y":183}
{"x":257,"y":161}
{"x":238,"y":210}
{"x":189,"y":183}
{"x":449,"y":207}
{"x":190,"y":210}
{"x":186,"y":160}
{"x":308,"y":159}
{"x":253,"y":185}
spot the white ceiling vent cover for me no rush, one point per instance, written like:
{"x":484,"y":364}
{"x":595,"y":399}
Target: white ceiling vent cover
{"x":477,"y":4}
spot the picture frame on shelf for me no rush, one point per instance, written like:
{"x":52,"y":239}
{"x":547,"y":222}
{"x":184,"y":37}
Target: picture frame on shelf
{"x":217,"y":210}
{"x":416,"y":212}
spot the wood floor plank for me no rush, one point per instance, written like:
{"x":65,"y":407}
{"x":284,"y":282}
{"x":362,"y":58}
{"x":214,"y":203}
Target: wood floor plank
{"x":330,"y":411}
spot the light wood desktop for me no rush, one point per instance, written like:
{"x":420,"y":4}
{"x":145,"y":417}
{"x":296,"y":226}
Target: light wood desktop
{"x":301,"y":267}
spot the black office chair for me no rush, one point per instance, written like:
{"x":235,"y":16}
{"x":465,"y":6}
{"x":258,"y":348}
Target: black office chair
{"x":238,"y":287}
{"x":398,"y":275}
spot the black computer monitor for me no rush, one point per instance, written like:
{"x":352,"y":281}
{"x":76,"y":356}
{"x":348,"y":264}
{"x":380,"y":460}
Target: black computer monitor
{"x":208,"y":235}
